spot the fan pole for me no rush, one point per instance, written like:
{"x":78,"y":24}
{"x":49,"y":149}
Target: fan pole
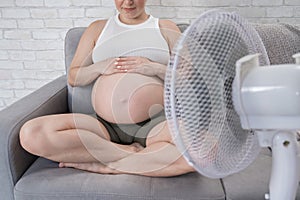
{"x":285,"y":166}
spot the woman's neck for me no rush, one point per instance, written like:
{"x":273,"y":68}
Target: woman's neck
{"x":133,"y":21}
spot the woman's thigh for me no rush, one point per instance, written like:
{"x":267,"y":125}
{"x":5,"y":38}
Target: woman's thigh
{"x":62,"y":122}
{"x":63,"y":137}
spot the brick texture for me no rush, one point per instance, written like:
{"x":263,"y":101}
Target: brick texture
{"x":32,"y":32}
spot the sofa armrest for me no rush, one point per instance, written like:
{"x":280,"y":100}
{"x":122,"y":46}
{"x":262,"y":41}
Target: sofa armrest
{"x":14,"y":160}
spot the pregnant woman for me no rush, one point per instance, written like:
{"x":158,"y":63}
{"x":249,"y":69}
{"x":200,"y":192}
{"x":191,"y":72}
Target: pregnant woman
{"x":126,"y":56}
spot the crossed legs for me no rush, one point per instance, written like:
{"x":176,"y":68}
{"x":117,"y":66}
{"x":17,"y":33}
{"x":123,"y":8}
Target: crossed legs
{"x":160,"y":158}
{"x":81,"y":141}
{"x":71,"y":138}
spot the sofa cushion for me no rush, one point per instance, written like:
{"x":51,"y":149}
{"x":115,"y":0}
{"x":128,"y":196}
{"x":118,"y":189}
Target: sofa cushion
{"x":44,"y":180}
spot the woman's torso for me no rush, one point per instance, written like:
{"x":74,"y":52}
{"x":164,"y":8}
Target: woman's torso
{"x":129,"y":97}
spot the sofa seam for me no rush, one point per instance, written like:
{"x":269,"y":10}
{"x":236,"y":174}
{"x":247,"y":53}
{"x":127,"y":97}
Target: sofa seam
{"x":223,"y":187}
{"x":109,"y":194}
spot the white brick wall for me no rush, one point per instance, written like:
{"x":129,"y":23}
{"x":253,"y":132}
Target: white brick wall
{"x":32,"y":32}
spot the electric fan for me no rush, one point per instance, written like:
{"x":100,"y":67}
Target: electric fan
{"x":220,"y":115}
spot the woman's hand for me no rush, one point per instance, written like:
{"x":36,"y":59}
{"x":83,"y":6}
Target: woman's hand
{"x":135,"y":64}
{"x":122,"y":64}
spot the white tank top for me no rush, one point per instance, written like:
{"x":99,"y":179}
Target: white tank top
{"x":118,"y":39}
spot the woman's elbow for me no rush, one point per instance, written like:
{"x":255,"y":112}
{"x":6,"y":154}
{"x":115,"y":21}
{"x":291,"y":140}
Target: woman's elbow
{"x":71,"y":79}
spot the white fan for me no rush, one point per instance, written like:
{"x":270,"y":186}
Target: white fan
{"x":221,"y":107}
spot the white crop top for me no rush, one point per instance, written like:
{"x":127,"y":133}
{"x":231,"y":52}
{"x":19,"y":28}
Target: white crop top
{"x":118,"y":39}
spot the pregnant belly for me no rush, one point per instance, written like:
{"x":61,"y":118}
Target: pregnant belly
{"x":127,"y":98}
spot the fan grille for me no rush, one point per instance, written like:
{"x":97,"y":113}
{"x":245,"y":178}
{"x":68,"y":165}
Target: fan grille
{"x":198,"y":94}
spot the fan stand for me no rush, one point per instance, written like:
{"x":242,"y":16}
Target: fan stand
{"x":285,"y":163}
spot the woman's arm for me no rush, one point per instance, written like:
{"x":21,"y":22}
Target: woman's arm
{"x":82,"y":70}
{"x":170,"y":32}
{"x":86,"y":74}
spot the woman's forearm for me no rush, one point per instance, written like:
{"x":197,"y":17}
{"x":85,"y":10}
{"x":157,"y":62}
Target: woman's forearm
{"x":80,"y":76}
{"x":84,"y":75}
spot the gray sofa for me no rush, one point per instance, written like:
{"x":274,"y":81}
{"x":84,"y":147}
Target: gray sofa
{"x":27,"y":177}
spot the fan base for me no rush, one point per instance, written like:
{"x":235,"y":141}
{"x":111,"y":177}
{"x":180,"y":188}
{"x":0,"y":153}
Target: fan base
{"x":285,"y":163}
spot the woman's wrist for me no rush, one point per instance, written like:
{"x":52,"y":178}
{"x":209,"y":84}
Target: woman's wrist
{"x":160,"y":70}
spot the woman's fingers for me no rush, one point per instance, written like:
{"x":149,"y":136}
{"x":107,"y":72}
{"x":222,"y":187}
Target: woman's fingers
{"x":128,"y":58}
{"x":129,"y":64}
{"x":130,"y":61}
{"x":126,"y":63}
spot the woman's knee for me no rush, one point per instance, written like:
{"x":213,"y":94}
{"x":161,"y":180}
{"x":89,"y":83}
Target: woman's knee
{"x":160,"y":133}
{"x":32,"y":137}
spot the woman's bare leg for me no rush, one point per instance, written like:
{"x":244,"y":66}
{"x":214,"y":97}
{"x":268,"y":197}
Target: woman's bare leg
{"x":160,"y":158}
{"x":71,"y":138}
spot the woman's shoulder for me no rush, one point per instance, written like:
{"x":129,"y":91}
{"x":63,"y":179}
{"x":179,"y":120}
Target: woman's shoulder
{"x":94,"y":29}
{"x":168,"y":24}
{"x":98,"y":24}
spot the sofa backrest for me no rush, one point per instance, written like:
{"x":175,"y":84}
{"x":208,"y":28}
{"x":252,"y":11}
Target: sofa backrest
{"x":79,"y":98}
{"x":281,"y":42}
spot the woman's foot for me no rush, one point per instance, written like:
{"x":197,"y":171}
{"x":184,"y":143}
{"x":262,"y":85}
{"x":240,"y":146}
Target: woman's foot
{"x":98,"y":167}
{"x":137,"y":146}
{"x":91,"y":167}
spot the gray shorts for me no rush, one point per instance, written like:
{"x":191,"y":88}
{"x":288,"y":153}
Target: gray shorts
{"x":130,"y":133}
